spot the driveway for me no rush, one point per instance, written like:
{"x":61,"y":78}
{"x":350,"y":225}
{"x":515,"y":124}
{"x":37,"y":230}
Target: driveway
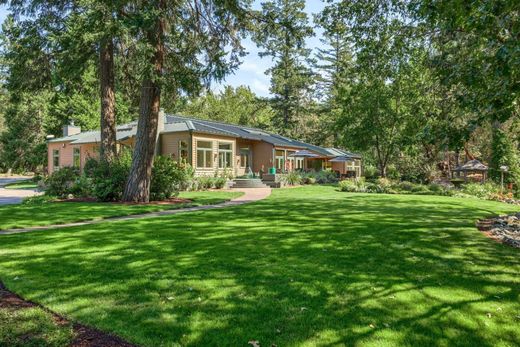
{"x":14,"y":196}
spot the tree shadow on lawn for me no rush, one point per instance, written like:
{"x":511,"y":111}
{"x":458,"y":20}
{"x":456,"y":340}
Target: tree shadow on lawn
{"x":289,"y":270}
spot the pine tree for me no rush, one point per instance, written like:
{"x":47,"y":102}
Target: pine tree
{"x":281,"y":33}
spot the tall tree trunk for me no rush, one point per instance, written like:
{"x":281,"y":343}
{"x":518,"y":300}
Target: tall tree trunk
{"x":108,"y":149}
{"x":138,"y":185}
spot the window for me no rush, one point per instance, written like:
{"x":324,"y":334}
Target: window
{"x":290,"y":161}
{"x":183,"y":150}
{"x":204,"y":154}
{"x":55,"y":158}
{"x":76,"y":157}
{"x":299,"y":164}
{"x":244,"y":157}
{"x":225,"y":154}
{"x":279,"y":159}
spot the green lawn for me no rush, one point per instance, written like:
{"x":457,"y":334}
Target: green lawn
{"x":27,"y":184}
{"x":20,"y":216}
{"x":306,"y":267}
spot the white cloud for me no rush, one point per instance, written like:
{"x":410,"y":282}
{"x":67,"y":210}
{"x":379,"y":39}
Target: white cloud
{"x":259,"y":87}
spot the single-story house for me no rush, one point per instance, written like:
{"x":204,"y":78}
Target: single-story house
{"x":209,"y":147}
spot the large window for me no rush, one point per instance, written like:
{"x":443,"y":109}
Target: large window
{"x":245,"y":157}
{"x":55,"y":158}
{"x":76,"y":157}
{"x":225,"y":155}
{"x":279,"y":159}
{"x":204,"y":154}
{"x":183,"y":150}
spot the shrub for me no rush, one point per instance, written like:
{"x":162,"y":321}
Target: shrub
{"x":355,"y":185}
{"x":310,"y":180}
{"x":61,"y":181}
{"x":405,"y":186}
{"x":370,"y":171}
{"x":348,"y":186}
{"x":293,"y":178}
{"x":38,"y":200}
{"x":326,"y":176}
{"x":205,"y":182}
{"x":82,"y":187}
{"x":109,"y":179}
{"x":219,"y":182}
{"x":482,"y":191}
{"x":166,"y":178}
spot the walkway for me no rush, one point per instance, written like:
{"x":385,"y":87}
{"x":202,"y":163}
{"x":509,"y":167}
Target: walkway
{"x":250,"y":195}
{"x":14,"y":196}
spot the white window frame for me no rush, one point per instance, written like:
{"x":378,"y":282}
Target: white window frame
{"x":55,"y":156}
{"x":279,"y":159}
{"x":298,"y":163}
{"x":76,"y":154}
{"x":225,"y":152}
{"x":183,"y":148}
{"x":205,"y":150}
{"x":245,"y":152}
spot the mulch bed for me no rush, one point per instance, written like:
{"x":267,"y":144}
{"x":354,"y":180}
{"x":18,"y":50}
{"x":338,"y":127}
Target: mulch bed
{"x":504,"y":229}
{"x":84,"y":336}
{"x":171,"y":201}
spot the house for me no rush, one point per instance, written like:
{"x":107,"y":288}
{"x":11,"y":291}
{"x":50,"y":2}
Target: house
{"x":209,"y":147}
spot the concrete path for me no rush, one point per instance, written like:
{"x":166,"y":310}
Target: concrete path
{"x":14,"y":196}
{"x":250,"y":195}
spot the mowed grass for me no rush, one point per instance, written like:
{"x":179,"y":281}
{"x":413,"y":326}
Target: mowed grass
{"x":49,"y":213}
{"x":306,"y":267}
{"x":32,"y":326}
{"x":27,"y":184}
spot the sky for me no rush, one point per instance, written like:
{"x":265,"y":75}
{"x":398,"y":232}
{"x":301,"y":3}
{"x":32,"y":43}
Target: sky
{"x":252,"y":70}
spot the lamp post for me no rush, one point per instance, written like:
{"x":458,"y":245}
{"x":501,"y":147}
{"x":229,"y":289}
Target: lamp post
{"x":503,"y":169}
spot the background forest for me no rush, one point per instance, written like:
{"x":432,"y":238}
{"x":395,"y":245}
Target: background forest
{"x":416,"y":86}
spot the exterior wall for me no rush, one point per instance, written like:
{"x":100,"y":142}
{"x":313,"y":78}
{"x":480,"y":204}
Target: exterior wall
{"x":262,"y":156}
{"x":170,"y":144}
{"x":214,"y":168}
{"x":66,"y":154}
{"x":88,"y":150}
{"x":340,"y":167}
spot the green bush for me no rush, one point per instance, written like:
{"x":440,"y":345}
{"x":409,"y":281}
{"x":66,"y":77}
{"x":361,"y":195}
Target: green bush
{"x":325,"y":176}
{"x":219,"y":182}
{"x":370,"y":171}
{"x":355,"y":185}
{"x":109,"y":179}
{"x":405,"y":186}
{"x":310,"y":180}
{"x":482,"y":191}
{"x":82,"y":187}
{"x":293,"y":178}
{"x":205,"y":182}
{"x":348,"y":186}
{"x":61,"y":181}
{"x":166,"y":179}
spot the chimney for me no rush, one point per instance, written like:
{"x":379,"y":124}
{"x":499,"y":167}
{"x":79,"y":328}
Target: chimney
{"x":71,"y":129}
{"x":162,"y":121}
{"x":160,"y":129}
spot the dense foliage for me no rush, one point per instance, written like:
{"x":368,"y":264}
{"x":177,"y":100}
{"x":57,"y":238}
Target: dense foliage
{"x":418,"y":87}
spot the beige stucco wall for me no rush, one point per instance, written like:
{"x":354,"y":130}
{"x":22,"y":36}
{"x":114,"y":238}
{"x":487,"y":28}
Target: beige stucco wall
{"x":66,"y":154}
